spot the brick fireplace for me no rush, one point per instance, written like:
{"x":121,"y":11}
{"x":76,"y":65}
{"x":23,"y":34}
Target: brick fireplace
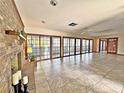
{"x":11,"y":51}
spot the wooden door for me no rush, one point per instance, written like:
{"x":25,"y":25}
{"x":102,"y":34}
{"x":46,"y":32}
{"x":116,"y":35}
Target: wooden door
{"x":112,"y":45}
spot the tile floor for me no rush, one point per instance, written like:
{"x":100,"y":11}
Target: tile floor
{"x":28,"y":70}
{"x":86,"y":73}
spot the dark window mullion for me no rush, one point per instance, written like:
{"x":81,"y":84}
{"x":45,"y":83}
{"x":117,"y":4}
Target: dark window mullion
{"x":75,"y":46}
{"x":89,"y":45}
{"x":50,"y":47}
{"x":69,"y":46}
{"x":40,"y":46}
{"x":80,"y":46}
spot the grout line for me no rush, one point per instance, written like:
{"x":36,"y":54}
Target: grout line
{"x":45,"y":77}
{"x":49,"y":86}
{"x":103,"y":76}
{"x":122,"y":89}
{"x":47,"y":80}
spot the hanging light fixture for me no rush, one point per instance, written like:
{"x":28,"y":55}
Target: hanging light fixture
{"x":53,"y":2}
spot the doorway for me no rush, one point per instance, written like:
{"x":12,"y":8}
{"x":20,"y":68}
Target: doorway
{"x":43,"y":46}
{"x":56,"y":45}
{"x":112,"y":45}
{"x":78,"y":46}
{"x":69,"y":46}
{"x":103,"y":45}
{"x":87,"y":46}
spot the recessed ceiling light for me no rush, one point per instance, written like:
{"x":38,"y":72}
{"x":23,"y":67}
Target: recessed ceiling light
{"x":72,"y":24}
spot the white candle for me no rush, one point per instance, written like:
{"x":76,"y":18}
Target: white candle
{"x":19,"y":74}
{"x":15,"y":79}
{"x":25,"y":80}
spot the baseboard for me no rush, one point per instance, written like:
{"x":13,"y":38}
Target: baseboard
{"x":95,"y":52}
{"x":120,"y":54}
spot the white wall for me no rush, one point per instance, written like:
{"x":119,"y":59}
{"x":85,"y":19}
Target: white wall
{"x":121,"y":43}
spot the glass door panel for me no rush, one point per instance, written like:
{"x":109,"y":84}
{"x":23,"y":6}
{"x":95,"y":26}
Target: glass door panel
{"x":33,"y":46}
{"x":83,"y":46}
{"x":72,"y":46}
{"x":91,"y":46}
{"x":45,"y":47}
{"x":77,"y":46}
{"x":104,"y":46}
{"x":101,"y":45}
{"x":87,"y":46}
{"x":29,"y":45}
{"x":55,"y":47}
{"x":66,"y":46}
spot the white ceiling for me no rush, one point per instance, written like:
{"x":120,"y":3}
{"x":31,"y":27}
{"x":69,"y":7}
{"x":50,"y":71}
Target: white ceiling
{"x":109,"y":26}
{"x":86,"y":13}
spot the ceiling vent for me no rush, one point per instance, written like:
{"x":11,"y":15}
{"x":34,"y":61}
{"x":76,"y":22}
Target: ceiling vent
{"x":72,"y":24}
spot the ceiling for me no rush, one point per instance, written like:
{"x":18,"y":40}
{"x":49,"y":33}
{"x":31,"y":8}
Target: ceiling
{"x":93,"y":17}
{"x":108,"y":26}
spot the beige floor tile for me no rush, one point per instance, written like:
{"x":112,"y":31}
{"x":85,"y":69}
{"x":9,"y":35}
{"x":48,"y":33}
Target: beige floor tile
{"x":87,"y":73}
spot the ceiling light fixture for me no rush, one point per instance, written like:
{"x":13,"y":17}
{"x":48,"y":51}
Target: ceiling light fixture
{"x":72,"y":24}
{"x":53,"y":2}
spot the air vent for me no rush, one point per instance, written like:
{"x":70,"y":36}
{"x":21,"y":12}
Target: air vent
{"x":72,"y":24}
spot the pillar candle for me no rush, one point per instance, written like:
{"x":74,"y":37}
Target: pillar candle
{"x":15,"y":79}
{"x":25,"y":80}
{"x":19,"y":74}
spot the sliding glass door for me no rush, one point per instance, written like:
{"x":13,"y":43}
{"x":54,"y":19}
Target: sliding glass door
{"x":33,"y":47}
{"x":72,"y":46}
{"x":78,"y":43}
{"x":83,"y":46}
{"x":56,"y":47}
{"x":91,"y":46}
{"x":87,"y":45}
{"x":69,"y":46}
{"x":102,"y":45}
{"x":66,"y":47}
{"x":45,"y":47}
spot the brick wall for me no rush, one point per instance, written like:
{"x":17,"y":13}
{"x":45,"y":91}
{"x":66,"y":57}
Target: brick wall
{"x":9,"y":45}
